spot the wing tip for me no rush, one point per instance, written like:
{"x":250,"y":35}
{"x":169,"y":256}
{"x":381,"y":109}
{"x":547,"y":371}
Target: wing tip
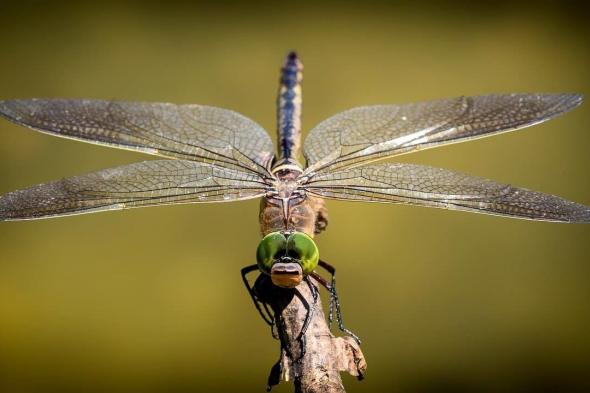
{"x":560,"y":102}
{"x":6,"y":213}
{"x":573,"y":100}
{"x":583,"y":217}
{"x":9,"y":109}
{"x":5,"y":107}
{"x":575,"y":213}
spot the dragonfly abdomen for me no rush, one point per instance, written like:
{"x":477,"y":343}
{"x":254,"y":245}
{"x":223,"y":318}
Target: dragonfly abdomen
{"x":289,"y":108}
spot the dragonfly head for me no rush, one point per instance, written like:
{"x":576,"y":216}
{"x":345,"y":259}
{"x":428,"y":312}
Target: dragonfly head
{"x":287,"y":257}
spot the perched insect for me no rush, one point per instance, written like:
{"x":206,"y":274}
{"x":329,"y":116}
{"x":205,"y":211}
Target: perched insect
{"x":217,"y":155}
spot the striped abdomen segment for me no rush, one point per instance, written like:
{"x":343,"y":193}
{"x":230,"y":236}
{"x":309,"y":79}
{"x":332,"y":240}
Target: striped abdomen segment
{"x":289,"y":108}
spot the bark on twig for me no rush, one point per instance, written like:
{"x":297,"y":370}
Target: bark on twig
{"x":325,"y":356}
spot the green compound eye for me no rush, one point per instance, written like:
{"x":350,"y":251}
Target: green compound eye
{"x":303,"y":248}
{"x":270,"y":248}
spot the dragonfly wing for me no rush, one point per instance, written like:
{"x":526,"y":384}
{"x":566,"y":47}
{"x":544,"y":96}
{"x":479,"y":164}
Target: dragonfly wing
{"x":364,"y":134}
{"x":435,"y":187}
{"x":149,"y":183}
{"x":190,"y":132}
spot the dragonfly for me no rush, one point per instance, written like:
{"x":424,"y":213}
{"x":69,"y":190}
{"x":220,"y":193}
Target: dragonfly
{"x":217,"y":155}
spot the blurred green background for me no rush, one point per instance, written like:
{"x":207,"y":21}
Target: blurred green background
{"x":150,"y":300}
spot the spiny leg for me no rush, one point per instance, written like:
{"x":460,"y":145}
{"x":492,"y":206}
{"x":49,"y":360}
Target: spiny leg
{"x":308,"y":316}
{"x":333,"y":294}
{"x":339,"y":319}
{"x":313,"y":289}
{"x":266,"y":315}
{"x":321,"y":280}
{"x":274,"y":378}
{"x":332,"y":270}
{"x":276,"y":370}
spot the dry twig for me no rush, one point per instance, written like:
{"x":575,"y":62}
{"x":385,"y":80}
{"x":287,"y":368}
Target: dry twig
{"x":324,"y":356}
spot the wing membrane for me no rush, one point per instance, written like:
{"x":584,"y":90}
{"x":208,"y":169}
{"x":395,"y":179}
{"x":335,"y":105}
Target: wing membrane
{"x":435,"y":187}
{"x":191,"y":132}
{"x":364,"y":134}
{"x":149,"y":183}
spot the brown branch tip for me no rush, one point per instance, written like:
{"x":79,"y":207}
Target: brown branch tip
{"x":314,"y":359}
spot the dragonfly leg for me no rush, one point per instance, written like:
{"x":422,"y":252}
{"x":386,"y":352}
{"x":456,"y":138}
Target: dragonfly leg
{"x":274,"y":319}
{"x":321,"y":280}
{"x":308,"y":316}
{"x":274,"y":378}
{"x":335,"y":302}
{"x":332,"y":289}
{"x":266,"y":315}
{"x":313,"y":289}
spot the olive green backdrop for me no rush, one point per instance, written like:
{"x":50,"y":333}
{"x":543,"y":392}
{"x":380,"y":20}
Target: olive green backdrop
{"x":150,"y":300}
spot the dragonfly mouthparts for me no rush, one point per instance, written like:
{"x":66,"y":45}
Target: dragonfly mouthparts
{"x":286,"y":274}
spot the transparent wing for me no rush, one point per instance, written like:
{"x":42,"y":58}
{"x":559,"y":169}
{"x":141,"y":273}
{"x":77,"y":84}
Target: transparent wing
{"x":435,"y":187}
{"x":191,"y":132}
{"x":365,"y":134}
{"x":149,"y":183}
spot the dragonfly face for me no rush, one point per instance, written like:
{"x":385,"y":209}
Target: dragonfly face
{"x":287,"y":257}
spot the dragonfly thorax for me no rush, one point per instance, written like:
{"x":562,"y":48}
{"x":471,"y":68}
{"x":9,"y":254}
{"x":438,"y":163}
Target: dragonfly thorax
{"x":287,"y":189}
